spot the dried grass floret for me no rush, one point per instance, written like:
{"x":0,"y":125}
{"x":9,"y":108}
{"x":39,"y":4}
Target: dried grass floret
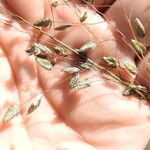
{"x":12,"y":112}
{"x":71,"y":69}
{"x":129,"y":91}
{"x":84,"y":17}
{"x":59,"y":51}
{"x":46,"y":64}
{"x":86,"y":65}
{"x":138,"y":46}
{"x":82,"y":84}
{"x":87,"y":46}
{"x":44,"y":22}
{"x":130,"y":65}
{"x":111,"y":61}
{"x":55,"y":3}
{"x":139,"y":27}
{"x":41,"y":48}
{"x":34,"y":106}
{"x":63,"y":27}
{"x":74,"y":80}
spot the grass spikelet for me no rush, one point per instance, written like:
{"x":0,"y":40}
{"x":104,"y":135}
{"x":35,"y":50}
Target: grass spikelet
{"x":63,"y":27}
{"x":41,"y":48}
{"x":138,"y":46}
{"x":82,"y":84}
{"x":111,"y":61}
{"x":44,"y":22}
{"x":84,"y":17}
{"x":86,"y":65}
{"x":12,"y":112}
{"x":74,"y":80}
{"x":130,"y":65}
{"x":46,"y":64}
{"x":139,"y":27}
{"x":128,"y":92}
{"x":34,"y":106}
{"x":71,"y":69}
{"x":55,"y":3}
{"x":87,"y":46}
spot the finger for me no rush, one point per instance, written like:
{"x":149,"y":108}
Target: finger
{"x":26,"y":9}
{"x":135,"y":9}
{"x":9,"y":97}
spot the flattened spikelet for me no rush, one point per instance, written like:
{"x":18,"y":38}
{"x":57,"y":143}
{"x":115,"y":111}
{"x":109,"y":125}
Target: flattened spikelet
{"x":128,"y":92}
{"x":45,"y":63}
{"x":62,"y":27}
{"x":12,"y":112}
{"x":71,"y":69}
{"x":55,"y":3}
{"x":59,"y":50}
{"x":129,"y":64}
{"x":139,"y":27}
{"x":41,"y":48}
{"x":111,"y":61}
{"x":138,"y":46}
{"x":86,"y":65}
{"x":74,"y":80}
{"x":87,"y":46}
{"x":44,"y":22}
{"x":82,"y":84}
{"x":84,"y":17}
{"x":33,"y":107}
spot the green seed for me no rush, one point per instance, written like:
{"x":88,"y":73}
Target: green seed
{"x":71,"y":69}
{"x":130,"y":65}
{"x":111,"y":61}
{"x":139,"y":27}
{"x":63,"y":27}
{"x":138,"y":46}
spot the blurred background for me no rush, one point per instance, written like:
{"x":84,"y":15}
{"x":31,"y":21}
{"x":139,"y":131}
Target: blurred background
{"x":148,"y":146}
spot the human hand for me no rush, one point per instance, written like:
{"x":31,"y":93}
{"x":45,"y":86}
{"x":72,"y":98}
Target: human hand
{"x":97,"y":117}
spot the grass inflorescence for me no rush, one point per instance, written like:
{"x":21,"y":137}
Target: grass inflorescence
{"x":47,"y":56}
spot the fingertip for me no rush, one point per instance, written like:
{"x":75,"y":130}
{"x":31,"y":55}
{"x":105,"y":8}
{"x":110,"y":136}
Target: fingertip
{"x":30,"y":10}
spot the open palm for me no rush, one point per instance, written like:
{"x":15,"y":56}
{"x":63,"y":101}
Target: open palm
{"x":97,"y":117}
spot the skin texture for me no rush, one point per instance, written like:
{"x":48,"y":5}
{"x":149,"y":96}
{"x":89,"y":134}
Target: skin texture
{"x":95,"y":118}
